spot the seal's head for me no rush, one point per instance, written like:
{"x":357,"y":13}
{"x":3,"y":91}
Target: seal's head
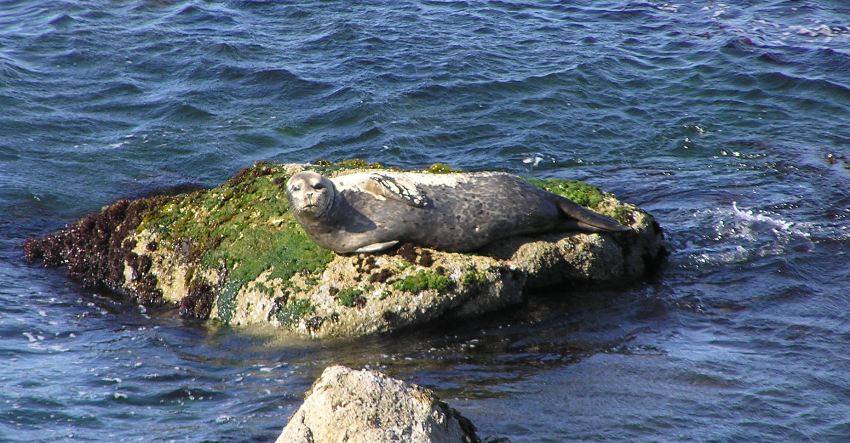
{"x":310,"y":194}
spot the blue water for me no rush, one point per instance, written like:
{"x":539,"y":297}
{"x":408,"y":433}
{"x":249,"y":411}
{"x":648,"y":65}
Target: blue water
{"x":730,"y":122}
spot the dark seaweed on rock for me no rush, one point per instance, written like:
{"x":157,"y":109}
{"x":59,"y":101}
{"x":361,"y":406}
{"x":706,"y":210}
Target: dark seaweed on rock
{"x":198,"y":303}
{"x":225,"y":229}
{"x":95,"y":249}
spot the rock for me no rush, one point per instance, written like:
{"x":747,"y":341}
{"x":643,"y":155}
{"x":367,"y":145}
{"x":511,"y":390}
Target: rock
{"x":369,"y":407}
{"x":235,"y":254}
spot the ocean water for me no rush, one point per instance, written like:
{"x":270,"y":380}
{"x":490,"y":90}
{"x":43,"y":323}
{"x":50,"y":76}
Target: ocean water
{"x":729,"y":121}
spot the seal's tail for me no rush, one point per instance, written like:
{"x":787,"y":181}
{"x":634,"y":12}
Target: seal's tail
{"x":587,"y":220}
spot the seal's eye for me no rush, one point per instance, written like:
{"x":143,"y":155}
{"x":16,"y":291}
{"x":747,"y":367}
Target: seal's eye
{"x":318,"y":186}
{"x":295,"y":188}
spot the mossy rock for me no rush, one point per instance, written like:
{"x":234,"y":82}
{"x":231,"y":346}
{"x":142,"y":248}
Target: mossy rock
{"x":235,"y":254}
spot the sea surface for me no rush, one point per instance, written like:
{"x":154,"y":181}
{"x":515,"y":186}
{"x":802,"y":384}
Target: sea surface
{"x":729,"y":121}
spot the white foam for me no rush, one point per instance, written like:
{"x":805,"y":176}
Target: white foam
{"x":534,"y":159}
{"x":753,"y":217}
{"x":31,"y":337}
{"x":741,"y":234}
{"x":668,"y":7}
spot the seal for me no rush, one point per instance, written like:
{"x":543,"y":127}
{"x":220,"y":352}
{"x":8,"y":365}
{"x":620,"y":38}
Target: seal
{"x":373,"y":211}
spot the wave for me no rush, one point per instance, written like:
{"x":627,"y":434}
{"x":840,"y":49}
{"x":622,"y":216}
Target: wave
{"x":512,"y":86}
{"x":14,"y":70}
{"x":740,"y":235}
{"x":780,"y":81}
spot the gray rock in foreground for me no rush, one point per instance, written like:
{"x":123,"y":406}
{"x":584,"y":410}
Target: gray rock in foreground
{"x":369,"y":407}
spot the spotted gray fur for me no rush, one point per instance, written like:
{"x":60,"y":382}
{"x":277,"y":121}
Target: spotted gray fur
{"x":369,"y":212}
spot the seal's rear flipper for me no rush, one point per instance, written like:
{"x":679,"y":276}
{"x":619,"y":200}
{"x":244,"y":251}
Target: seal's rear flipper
{"x":375,"y":247}
{"x":587,"y":220}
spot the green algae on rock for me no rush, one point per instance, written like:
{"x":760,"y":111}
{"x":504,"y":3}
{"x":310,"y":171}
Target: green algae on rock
{"x":577,"y":191}
{"x":243,"y":226}
{"x":235,"y":254}
{"x":441,"y":168}
{"x":423,"y":280}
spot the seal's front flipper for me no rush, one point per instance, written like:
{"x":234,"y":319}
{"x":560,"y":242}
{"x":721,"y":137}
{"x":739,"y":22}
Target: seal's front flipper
{"x":587,"y":220}
{"x":397,"y":189}
{"x":375,"y":247}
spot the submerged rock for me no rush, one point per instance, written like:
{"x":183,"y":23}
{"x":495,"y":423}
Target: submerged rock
{"x":369,"y":407}
{"x":235,"y":254}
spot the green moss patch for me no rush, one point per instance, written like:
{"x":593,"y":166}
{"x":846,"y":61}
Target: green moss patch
{"x":243,"y":227}
{"x":474,"y":279}
{"x":623,"y":215}
{"x":226,"y":301}
{"x":350,"y":297}
{"x":442,"y":168}
{"x":580,"y":192}
{"x":292,"y":313}
{"x":423,"y":280}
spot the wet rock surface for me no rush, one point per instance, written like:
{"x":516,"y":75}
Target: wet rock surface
{"x":236,"y":255}
{"x":370,"y":407}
